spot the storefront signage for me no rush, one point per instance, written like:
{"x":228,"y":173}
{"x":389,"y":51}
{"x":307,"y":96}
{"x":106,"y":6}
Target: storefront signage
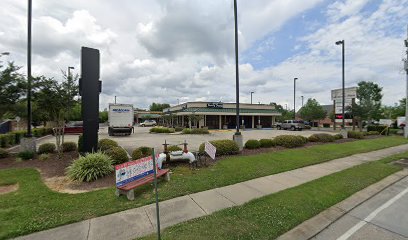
{"x":131,"y":171}
{"x":215,"y":105}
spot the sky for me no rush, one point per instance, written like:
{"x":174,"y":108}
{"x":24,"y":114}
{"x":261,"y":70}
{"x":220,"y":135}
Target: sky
{"x":172,"y":51}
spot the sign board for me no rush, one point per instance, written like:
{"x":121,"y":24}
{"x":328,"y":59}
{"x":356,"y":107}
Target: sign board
{"x":210,"y":149}
{"x":349,"y":92}
{"x":386,"y":122}
{"x":131,"y":171}
{"x":215,"y":105}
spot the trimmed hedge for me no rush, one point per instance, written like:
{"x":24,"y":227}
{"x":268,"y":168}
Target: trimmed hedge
{"x":26,"y":155}
{"x":105,"y":144}
{"x":162,"y":130}
{"x":178,"y":129}
{"x":267,"y":143}
{"x":377,"y":128}
{"x":252,"y":144}
{"x":69,"y":147}
{"x":370,"y":133}
{"x":13,"y":138}
{"x":224,"y":147}
{"x":90,"y":167}
{"x":322,"y":137}
{"x":174,"y":148}
{"x":7,"y":140}
{"x":141,"y":152}
{"x":195,"y":131}
{"x":290,"y":141}
{"x":355,"y":134}
{"x":117,"y":154}
{"x":338,"y":136}
{"x":393,"y":131}
{"x":3,"y":153}
{"x":46,"y":148}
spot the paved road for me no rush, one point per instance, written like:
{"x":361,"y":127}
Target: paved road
{"x":385,"y":216}
{"x":142,"y":137}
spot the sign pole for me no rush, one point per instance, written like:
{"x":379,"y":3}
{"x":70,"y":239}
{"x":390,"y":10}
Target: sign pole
{"x":157,"y":195}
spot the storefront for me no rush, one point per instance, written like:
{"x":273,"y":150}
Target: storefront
{"x":217,"y":115}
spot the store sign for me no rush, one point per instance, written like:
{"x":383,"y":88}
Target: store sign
{"x":349,"y":93}
{"x":210,"y":149}
{"x":131,"y":171}
{"x":337,"y":97}
{"x":215,"y":105}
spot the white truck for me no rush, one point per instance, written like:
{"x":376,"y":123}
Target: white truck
{"x":120,"y":119}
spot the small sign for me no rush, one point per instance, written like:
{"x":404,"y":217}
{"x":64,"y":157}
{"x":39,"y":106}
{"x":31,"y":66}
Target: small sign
{"x":131,"y":171}
{"x":215,"y":105}
{"x":210,"y":149}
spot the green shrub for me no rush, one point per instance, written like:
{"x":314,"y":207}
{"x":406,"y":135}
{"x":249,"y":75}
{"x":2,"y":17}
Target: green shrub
{"x":44,"y":157}
{"x":321,"y":137}
{"x":162,"y":130}
{"x":26,"y":155}
{"x":326,"y":125}
{"x":224,"y":147}
{"x":118,"y":155}
{"x":290,"y":141}
{"x":195,"y":131}
{"x":47,"y":131}
{"x":46,"y":148}
{"x":137,"y":154}
{"x":393,"y":131}
{"x":7,"y":140}
{"x":252,"y":144}
{"x":38,"y":132}
{"x":178,"y":129}
{"x":174,"y":148}
{"x":338,"y":136}
{"x":146,"y":151}
{"x":378,"y":128}
{"x":370,"y":133}
{"x":18,"y":135}
{"x":81,"y":143}
{"x":105,"y":144}
{"x":267,"y":143}
{"x":3,"y":153}
{"x":90,"y":167}
{"x":355,"y":134}
{"x":69,"y":146}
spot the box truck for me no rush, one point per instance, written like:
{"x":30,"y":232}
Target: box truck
{"x":120,"y":119}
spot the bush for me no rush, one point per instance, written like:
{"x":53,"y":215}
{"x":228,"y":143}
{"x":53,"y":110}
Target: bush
{"x":252,"y":144}
{"x":355,"y":134}
{"x":137,"y":154}
{"x":146,"y":151}
{"x":105,"y":144}
{"x":338,"y":136}
{"x":178,"y":129}
{"x":370,"y":133}
{"x":321,"y":137}
{"x":38,"y":132}
{"x":26,"y":155}
{"x":174,"y":148}
{"x":195,"y":131}
{"x":326,"y":125}
{"x":141,"y":152}
{"x":18,"y":135}
{"x":118,"y":155}
{"x":69,"y":146}
{"x":224,"y":147}
{"x":3,"y":153}
{"x":44,"y":157}
{"x":81,"y":143}
{"x":290,"y":141}
{"x":46,"y":148}
{"x":90,"y":167}
{"x":162,"y":130}
{"x":393,"y":131}
{"x":7,"y":140}
{"x":377,"y":128}
{"x":267,"y":143}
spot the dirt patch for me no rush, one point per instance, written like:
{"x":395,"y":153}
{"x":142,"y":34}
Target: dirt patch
{"x":8,"y":189}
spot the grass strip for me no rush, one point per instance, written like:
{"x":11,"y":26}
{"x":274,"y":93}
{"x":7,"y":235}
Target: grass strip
{"x":269,"y":217}
{"x":34,"y":207}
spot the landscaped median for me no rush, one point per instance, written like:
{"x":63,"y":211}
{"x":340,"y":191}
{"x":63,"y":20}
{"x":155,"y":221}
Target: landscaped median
{"x":269,"y":217}
{"x":34,"y":207}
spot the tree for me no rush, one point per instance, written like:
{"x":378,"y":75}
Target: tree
{"x":158,"y":107}
{"x":312,"y":111}
{"x":368,"y":104}
{"x":392,"y":112}
{"x":12,"y":87}
{"x":286,"y":114}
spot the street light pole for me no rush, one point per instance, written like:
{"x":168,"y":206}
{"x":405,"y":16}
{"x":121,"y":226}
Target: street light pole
{"x":69,"y":72}
{"x":251,"y":96}
{"x":342,"y":43}
{"x":302,"y":101}
{"x":406,"y":96}
{"x":294,"y":98}
{"x":29,"y":116}
{"x":236,"y":68}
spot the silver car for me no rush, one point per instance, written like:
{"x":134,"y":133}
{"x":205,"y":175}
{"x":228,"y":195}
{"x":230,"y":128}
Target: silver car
{"x":147,"y":123}
{"x":291,"y":124}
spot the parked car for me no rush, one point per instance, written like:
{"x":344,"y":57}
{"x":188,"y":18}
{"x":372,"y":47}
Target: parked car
{"x":148,"y":123}
{"x":74,"y":127}
{"x":291,"y":124}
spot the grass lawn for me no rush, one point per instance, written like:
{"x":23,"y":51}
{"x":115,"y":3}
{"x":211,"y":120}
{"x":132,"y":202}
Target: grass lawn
{"x":34,"y":207}
{"x":269,"y":217}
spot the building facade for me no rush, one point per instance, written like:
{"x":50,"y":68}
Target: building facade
{"x":218,"y":115}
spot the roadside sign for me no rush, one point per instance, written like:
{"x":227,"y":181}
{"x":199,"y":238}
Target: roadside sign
{"x":210,"y":149}
{"x":131,"y":171}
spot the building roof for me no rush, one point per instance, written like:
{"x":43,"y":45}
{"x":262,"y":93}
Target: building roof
{"x":229,"y":110}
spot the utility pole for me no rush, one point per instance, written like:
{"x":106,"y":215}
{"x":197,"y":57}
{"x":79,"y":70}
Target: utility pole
{"x":251,"y":96}
{"x":342,"y":43}
{"x":29,"y":114}
{"x":302,"y":101}
{"x":115,"y":99}
{"x":294,"y":98}
{"x":406,"y":95}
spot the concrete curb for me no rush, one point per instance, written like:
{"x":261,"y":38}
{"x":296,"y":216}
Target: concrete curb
{"x":313,"y":226}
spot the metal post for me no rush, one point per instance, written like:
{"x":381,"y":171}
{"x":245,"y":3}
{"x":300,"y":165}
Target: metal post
{"x":236,"y":68}
{"x":115,"y":99}
{"x":29,"y":116}
{"x":406,"y":95}
{"x":294,"y":98}
{"x":157,"y":195}
{"x":302,"y":101}
{"x":251,"y":96}
{"x":343,"y":90}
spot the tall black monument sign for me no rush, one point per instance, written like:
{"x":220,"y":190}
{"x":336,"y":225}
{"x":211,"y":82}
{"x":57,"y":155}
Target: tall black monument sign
{"x":89,"y":88}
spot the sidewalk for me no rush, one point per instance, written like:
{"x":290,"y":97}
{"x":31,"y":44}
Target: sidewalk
{"x":139,"y":222}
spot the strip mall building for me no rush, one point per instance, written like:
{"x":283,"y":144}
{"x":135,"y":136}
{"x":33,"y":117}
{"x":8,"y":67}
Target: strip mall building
{"x":217,"y":115}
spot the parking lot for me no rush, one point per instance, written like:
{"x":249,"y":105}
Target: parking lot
{"x":142,"y":137}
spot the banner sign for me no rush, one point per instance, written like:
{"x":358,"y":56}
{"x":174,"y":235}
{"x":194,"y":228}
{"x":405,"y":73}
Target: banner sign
{"x":215,"y":105}
{"x":349,"y":93}
{"x":210,"y":149}
{"x":134,"y":170}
